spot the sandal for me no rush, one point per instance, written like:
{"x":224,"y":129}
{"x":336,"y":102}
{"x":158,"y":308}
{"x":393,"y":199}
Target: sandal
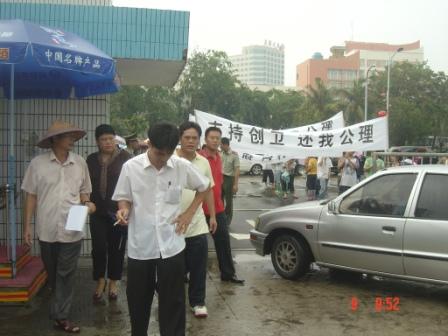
{"x":97,"y":296}
{"x":67,"y":326}
{"x":113,"y":294}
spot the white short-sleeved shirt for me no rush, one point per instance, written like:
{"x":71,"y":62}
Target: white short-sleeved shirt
{"x":267,"y":164}
{"x":198,"y":224}
{"x":156,"y":201}
{"x":57,"y":187}
{"x":348,"y":174}
{"x":324,"y":165}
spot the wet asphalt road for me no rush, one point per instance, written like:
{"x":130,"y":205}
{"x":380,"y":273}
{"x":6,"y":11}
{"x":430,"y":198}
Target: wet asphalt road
{"x":267,"y":305}
{"x":252,"y":199}
{"x":318,"y":304}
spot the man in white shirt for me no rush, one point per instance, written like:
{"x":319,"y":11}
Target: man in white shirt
{"x":268,"y":173}
{"x":347,"y":165}
{"x":196,"y":250}
{"x":149,"y":192}
{"x":324,"y":165}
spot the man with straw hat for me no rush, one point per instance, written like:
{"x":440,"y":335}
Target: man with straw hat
{"x":54,"y":182}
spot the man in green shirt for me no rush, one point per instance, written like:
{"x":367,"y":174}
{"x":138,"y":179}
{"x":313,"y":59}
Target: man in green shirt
{"x":196,"y":249}
{"x":231,"y":172}
{"x":368,"y":165}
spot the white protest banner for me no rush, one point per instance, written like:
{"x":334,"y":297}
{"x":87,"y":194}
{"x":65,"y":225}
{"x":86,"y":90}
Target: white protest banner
{"x":365,"y":136}
{"x":335,"y":122}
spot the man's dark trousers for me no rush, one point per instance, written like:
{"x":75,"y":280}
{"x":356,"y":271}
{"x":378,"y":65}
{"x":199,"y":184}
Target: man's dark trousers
{"x":171,"y":293}
{"x":108,"y":247}
{"x":222,"y":247}
{"x":196,"y":255}
{"x":227,"y":196}
{"x":61,"y":262}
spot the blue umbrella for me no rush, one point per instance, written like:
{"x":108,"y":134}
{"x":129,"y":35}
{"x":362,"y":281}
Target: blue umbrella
{"x":49,"y":63}
{"x":37,"y":61}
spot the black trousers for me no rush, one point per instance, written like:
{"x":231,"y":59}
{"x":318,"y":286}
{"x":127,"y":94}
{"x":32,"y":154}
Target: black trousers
{"x":108,"y":247}
{"x":290,"y":185}
{"x":311,"y":182}
{"x":227,"y":196}
{"x":142,"y":275}
{"x":222,"y":247}
{"x":268,"y":174}
{"x":61,"y":262}
{"x":196,"y":255}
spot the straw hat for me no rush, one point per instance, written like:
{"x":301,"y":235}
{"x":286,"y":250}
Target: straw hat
{"x":59,"y":127}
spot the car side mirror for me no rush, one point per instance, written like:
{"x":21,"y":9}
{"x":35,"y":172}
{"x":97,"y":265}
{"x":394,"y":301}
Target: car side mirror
{"x":333,"y":207}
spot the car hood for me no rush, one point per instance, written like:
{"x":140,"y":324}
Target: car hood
{"x":291,"y":215}
{"x":297,"y":206}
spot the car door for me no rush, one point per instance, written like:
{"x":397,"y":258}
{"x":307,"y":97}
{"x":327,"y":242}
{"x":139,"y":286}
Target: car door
{"x":367,"y":230}
{"x":245,"y":163}
{"x":425,"y":246}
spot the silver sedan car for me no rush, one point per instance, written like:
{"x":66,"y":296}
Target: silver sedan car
{"x":393,"y":224}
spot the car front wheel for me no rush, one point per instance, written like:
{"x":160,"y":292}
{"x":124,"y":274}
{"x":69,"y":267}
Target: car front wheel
{"x":290,"y":257}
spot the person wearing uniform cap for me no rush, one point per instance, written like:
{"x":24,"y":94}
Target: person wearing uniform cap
{"x":133,"y":145}
{"x":231,"y":174}
{"x":55,"y":181}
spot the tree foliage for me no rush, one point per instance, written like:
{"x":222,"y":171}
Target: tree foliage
{"x":418,"y":100}
{"x":208,"y":84}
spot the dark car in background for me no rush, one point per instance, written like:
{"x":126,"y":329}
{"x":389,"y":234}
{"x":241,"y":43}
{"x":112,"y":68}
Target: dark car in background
{"x":411,"y":149}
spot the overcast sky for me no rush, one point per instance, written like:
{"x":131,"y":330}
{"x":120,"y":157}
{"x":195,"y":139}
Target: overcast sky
{"x":305,"y":27}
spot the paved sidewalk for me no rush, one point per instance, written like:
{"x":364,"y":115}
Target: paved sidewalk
{"x":267,"y":305}
{"x":225,"y":303}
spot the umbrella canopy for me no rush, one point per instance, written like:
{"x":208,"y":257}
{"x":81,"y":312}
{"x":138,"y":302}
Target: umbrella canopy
{"x":37,"y":61}
{"x":50,"y":63}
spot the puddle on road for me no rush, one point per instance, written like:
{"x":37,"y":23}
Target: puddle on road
{"x":227,"y":292}
{"x":250,"y":257}
{"x":256,"y":292}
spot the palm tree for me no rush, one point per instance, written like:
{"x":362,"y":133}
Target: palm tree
{"x":321,"y":100}
{"x":352,"y":101}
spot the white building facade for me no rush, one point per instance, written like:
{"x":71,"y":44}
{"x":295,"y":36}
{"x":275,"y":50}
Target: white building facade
{"x":261,"y":65}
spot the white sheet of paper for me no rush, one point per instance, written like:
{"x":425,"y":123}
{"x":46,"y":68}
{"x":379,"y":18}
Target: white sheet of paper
{"x":77,"y":218}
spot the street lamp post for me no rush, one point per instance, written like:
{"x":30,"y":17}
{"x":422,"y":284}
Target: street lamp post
{"x":389,"y":65}
{"x":366,"y":90}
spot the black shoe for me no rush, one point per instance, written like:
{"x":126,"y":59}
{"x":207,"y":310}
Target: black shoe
{"x":234,"y":280}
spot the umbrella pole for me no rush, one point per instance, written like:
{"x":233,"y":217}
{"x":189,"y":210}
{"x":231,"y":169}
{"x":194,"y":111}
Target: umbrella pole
{"x":11,"y":186}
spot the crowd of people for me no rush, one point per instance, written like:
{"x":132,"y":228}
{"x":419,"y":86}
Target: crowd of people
{"x":161,"y":198}
{"x":350,"y":168}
